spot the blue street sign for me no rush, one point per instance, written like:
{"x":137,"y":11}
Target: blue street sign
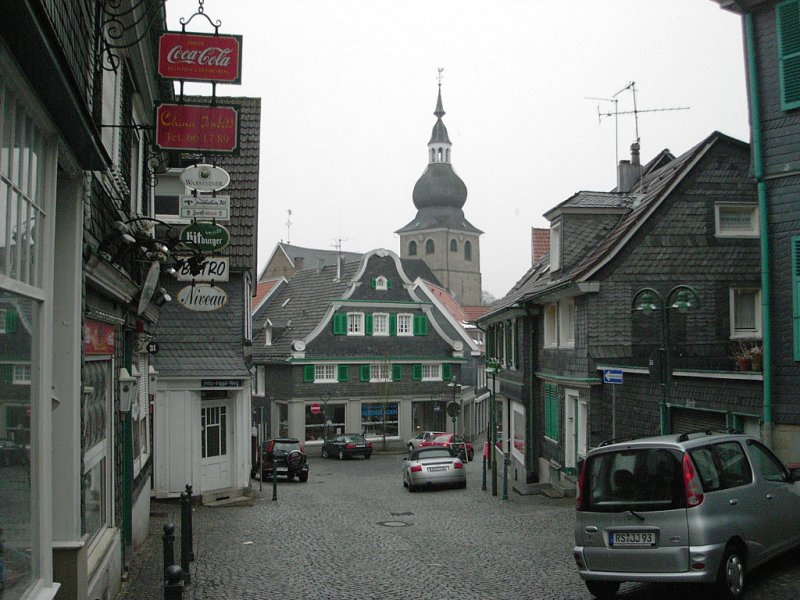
{"x":612,"y":376}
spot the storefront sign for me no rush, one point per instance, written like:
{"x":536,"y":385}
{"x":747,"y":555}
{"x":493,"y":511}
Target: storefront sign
{"x":197,"y":127}
{"x":221,"y":383}
{"x":205,"y":207}
{"x":205,"y":178}
{"x":98,"y":338}
{"x":200,"y":57}
{"x":205,"y":237}
{"x":213,"y":268}
{"x":202,"y":297}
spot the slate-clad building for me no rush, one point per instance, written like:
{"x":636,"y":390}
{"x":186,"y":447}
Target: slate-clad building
{"x":202,"y":406}
{"x":374,"y":348}
{"x":677,"y":247}
{"x":771,"y":32}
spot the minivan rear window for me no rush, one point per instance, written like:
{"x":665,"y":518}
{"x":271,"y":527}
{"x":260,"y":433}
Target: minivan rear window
{"x":645,"y":479}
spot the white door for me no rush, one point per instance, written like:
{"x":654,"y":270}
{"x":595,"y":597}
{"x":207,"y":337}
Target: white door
{"x":216,"y":445}
{"x":574,"y":414}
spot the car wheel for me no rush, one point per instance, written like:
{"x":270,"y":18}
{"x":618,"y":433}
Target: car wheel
{"x":325,"y":452}
{"x":411,"y":447}
{"x":463,"y":485}
{"x":603,"y":589}
{"x":730,"y":579}
{"x":411,"y":488}
{"x":303,"y":477}
{"x":341,"y":454}
{"x":368,"y":456}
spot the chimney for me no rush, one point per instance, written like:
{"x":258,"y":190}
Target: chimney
{"x":320,"y":264}
{"x":339,"y":261}
{"x":629,"y":172}
{"x":299,"y":263}
{"x":540,"y":243}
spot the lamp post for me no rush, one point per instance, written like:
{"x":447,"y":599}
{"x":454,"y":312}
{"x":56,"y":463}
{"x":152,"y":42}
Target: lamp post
{"x":492,"y":367}
{"x":681,"y":298}
{"x":457,"y":390}
{"x":325,"y":396}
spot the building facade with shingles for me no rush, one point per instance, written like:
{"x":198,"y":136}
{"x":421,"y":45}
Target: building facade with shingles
{"x":657,"y":282}
{"x":77,"y":138}
{"x":771,"y":32}
{"x":202,"y":407}
{"x":373,"y":348}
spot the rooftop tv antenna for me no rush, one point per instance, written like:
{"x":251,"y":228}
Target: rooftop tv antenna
{"x":630,"y":86}
{"x":288,"y":226}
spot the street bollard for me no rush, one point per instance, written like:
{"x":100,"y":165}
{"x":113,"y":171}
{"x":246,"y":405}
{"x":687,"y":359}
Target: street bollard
{"x":274,"y":480}
{"x":169,"y":547}
{"x":190,"y":543}
{"x":505,"y":475}
{"x":173,"y":588}
{"x":483,"y":483}
{"x":185,"y":507}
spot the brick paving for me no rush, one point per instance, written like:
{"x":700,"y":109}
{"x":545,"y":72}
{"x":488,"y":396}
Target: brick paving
{"x":353,"y":532}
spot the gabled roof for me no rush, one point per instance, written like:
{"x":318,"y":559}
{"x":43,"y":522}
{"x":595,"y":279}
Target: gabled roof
{"x":313,"y":258}
{"x":263,"y":291}
{"x":475,"y":312}
{"x":584,"y":201}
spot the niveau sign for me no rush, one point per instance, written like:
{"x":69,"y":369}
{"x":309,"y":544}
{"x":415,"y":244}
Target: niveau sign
{"x":202,"y":297}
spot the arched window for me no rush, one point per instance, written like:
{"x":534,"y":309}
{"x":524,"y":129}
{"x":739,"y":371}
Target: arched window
{"x":439,"y":155}
{"x":453,"y":246}
{"x":433,"y":155}
{"x":412,"y":248}
{"x":430,"y":248}
{"x":447,"y":155}
{"x":467,"y":250}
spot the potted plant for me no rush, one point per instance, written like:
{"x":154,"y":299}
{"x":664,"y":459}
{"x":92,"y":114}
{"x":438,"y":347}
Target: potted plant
{"x":741,"y":354}
{"x":756,"y":357}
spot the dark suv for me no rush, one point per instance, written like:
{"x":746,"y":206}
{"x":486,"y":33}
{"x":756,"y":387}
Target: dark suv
{"x":288,"y":458}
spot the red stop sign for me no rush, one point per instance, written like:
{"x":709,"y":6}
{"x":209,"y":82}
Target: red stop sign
{"x":315,"y":408}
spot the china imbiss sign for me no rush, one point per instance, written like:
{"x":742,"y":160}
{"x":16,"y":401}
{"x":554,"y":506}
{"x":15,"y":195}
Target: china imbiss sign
{"x":201,"y":127}
{"x":200,"y":57}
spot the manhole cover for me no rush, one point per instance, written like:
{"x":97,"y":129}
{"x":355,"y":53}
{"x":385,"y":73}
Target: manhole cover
{"x":393,"y":524}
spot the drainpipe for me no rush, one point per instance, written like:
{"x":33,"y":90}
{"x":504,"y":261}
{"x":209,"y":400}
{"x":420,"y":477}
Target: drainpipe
{"x":758,"y":168}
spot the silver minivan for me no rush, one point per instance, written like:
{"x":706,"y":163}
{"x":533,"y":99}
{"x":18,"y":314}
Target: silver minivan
{"x":695,"y":507}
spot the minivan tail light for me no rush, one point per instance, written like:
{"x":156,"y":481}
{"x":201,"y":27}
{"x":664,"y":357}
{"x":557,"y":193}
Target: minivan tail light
{"x":580,"y":492}
{"x":691,"y":483}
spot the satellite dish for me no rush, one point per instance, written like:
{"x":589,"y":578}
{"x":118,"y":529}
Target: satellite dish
{"x":149,"y":287}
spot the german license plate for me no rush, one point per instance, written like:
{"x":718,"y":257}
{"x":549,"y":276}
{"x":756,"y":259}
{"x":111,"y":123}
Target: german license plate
{"x":283,"y":469}
{"x":633,"y":538}
{"x":434,"y":469}
{"x":361,"y":445}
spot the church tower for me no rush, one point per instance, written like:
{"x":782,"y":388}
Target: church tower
{"x":440,"y":234}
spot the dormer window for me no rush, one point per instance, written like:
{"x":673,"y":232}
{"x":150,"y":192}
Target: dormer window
{"x":381,"y":283}
{"x":555,"y":246}
{"x":267,"y":334}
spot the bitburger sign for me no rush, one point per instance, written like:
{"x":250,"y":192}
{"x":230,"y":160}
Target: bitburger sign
{"x":200,"y":57}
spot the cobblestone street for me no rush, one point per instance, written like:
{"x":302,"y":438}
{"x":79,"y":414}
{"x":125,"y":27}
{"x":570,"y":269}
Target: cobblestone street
{"x":354,"y":532}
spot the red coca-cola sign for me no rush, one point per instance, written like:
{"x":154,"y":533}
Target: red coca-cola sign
{"x":200,"y":57}
{"x":200,"y":127}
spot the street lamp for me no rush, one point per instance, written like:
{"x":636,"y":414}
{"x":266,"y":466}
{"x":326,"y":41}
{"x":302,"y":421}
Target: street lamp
{"x":457,"y":390}
{"x":647,"y":300}
{"x":492,"y":368}
{"x":325,"y":396}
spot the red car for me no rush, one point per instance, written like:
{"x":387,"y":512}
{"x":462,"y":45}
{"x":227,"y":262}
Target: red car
{"x":447,"y":440}
{"x":498,"y":444}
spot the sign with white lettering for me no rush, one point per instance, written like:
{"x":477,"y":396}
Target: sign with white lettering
{"x":205,"y":237}
{"x":200,"y":57}
{"x":205,"y":207}
{"x":202,"y":297}
{"x":213,"y":268}
{"x":221,"y":383}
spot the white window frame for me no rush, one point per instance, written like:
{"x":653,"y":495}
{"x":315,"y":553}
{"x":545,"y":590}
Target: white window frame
{"x":267,"y":334}
{"x":741,"y":334}
{"x":752,"y":232}
{"x":551,"y":325}
{"x":3,"y":312}
{"x":405,"y":324}
{"x":168,"y":181}
{"x":381,"y":283}
{"x":381,"y":319}
{"x":566,"y":323}
{"x":325,"y":373}
{"x":431,"y":372}
{"x":355,"y":323}
{"x":380,"y":372}
{"x":21,"y":374}
{"x":555,"y":246}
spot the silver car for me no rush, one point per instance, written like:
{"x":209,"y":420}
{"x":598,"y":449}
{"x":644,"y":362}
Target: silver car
{"x":433,"y":465}
{"x":700,"y":507}
{"x":422,"y":436}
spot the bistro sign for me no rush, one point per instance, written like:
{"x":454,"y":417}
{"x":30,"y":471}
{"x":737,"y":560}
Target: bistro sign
{"x":202,"y":297}
{"x":200,"y":127}
{"x":200,"y":57}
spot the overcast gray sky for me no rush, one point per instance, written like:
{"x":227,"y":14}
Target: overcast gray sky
{"x":348,"y":89}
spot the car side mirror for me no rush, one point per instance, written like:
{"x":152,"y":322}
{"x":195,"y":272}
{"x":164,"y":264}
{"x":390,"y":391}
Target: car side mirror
{"x":794,"y":474}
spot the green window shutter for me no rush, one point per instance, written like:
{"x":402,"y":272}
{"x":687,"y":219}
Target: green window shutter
{"x":373,"y":283}
{"x":8,"y":373}
{"x":490,"y":343}
{"x":397,"y":372}
{"x":388,"y":284}
{"x":420,"y":325}
{"x":788,"y":25}
{"x":796,"y":294}
{"x":364,"y":372}
{"x":339,"y":324}
{"x":447,"y":372}
{"x":368,"y":323}
{"x":551,"y":410}
{"x":308,"y":373}
{"x":343,"y":373}
{"x":416,"y":372}
{"x":12,"y":321}
{"x":393,"y":324}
